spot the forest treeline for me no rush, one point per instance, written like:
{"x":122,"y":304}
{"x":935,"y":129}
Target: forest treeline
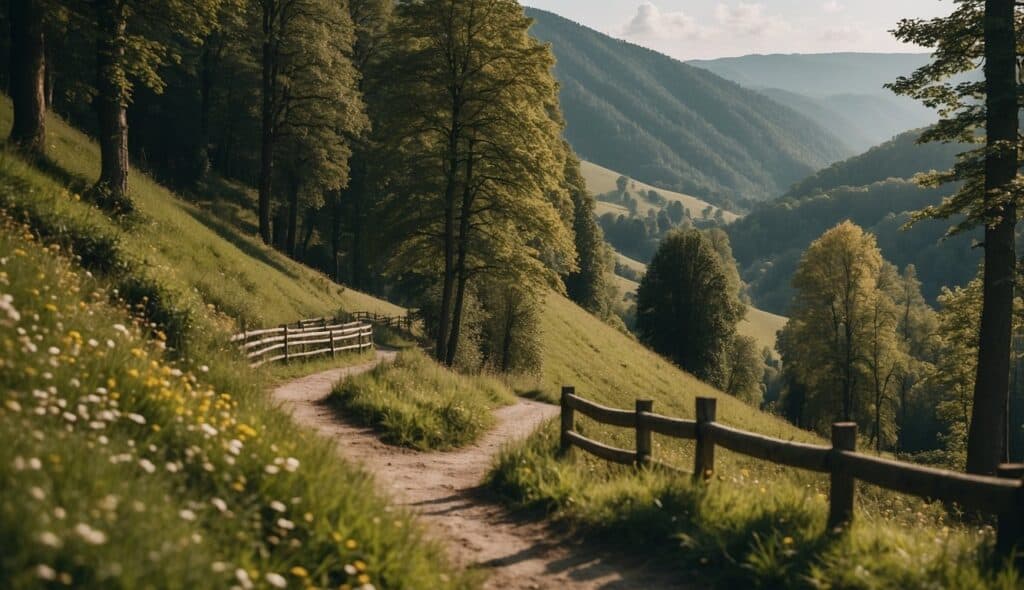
{"x":875,"y":190}
{"x":412,"y":149}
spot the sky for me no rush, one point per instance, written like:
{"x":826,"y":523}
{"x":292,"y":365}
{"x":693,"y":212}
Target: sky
{"x":700,"y":29}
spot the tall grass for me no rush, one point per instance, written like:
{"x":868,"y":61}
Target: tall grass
{"x":745,"y":529}
{"x":417,"y":403}
{"x":120,"y":469}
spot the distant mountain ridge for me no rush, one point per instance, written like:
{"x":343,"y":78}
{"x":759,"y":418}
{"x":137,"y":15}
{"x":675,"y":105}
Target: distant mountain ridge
{"x":676,"y":126}
{"x":875,"y":191}
{"x":843,"y":92}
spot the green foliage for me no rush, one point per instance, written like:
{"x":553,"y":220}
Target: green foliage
{"x":744,"y":370}
{"x":588,"y":286}
{"x":511,"y":334}
{"x":745,"y":528}
{"x":417,"y":403}
{"x":686,"y":307}
{"x":842,"y":328}
{"x":477,"y":188}
{"x":133,"y":455}
{"x":676,"y":126}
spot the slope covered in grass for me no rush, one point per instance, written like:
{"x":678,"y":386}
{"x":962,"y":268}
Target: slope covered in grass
{"x":191,"y":249}
{"x":417,"y":403}
{"x":601,"y":180}
{"x":754,"y":524}
{"x":136,"y":450}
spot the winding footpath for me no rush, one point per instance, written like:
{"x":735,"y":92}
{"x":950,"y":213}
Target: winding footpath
{"x":443,"y":489}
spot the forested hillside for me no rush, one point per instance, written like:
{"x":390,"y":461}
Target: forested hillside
{"x":873,"y":190}
{"x":843,"y":92}
{"x":676,"y":126}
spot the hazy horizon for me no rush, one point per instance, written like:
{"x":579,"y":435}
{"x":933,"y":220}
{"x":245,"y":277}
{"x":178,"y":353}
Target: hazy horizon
{"x":709,"y":29}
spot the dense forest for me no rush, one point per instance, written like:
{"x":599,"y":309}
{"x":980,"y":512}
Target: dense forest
{"x":676,"y":126}
{"x":874,"y":190}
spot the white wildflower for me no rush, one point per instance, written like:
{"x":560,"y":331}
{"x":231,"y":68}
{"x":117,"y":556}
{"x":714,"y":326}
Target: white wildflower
{"x":209,"y":430}
{"x":37,"y":493}
{"x":93,"y":343}
{"x":278,"y":506}
{"x":219,"y":504}
{"x":276,"y":580}
{"x":187,"y":514}
{"x":122,"y":330}
{"x":285,"y":524}
{"x":53,"y":350}
{"x":50,"y":540}
{"x":45,"y":572}
{"x":147,"y":465}
{"x":243,"y":578}
{"x":272,"y":469}
{"x":35,"y":464}
{"x":90,"y":535}
{"x":137,"y":418}
{"x":219,"y":566}
{"x":291,"y":464}
{"x":12,"y":405}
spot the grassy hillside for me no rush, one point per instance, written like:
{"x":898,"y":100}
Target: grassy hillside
{"x":193,"y":250}
{"x":675,"y":126}
{"x":153,"y":464}
{"x":601,"y":180}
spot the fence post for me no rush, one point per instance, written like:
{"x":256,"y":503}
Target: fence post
{"x":842,"y":487}
{"x":704,"y":454}
{"x":568,"y":419}
{"x":330,"y":334}
{"x":643,"y":434}
{"x":286,"y":343}
{"x":1010,"y":527}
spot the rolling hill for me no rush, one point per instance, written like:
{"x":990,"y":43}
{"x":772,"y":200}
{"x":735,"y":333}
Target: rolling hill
{"x":873,"y":190}
{"x":676,"y":126}
{"x":601,"y":180}
{"x":842,"y":92}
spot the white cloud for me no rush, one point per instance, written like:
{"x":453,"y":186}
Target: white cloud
{"x":832,"y":7}
{"x":750,"y":19}
{"x":651,"y":22}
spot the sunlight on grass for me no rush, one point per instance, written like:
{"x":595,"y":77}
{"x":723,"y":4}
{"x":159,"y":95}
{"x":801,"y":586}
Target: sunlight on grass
{"x":417,"y":403}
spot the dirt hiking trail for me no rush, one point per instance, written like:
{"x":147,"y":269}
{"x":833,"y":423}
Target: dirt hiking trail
{"x":442,"y":487}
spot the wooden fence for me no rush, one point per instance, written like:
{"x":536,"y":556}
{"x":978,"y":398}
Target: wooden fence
{"x":1002,"y":496}
{"x":400,"y":323}
{"x":303,"y":339}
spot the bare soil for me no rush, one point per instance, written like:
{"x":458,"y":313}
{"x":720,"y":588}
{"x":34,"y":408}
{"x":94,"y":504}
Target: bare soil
{"x":443,"y":488}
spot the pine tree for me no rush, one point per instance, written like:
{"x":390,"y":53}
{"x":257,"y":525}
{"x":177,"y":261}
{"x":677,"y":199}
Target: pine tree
{"x":588,"y":286}
{"x":979,"y":33}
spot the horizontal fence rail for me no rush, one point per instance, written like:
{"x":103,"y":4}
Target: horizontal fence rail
{"x":1002,"y":495}
{"x":303,"y":339}
{"x":396,"y":322}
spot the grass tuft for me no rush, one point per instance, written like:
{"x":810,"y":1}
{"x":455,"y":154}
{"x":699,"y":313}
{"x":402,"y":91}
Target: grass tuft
{"x":415,"y":402}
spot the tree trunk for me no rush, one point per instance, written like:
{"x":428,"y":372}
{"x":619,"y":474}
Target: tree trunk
{"x":291,"y":234}
{"x":28,"y":76}
{"x":336,"y":216}
{"x":112,"y":99}
{"x":267,"y":135}
{"x":308,"y":221}
{"x":987,"y":437}
{"x":448,"y":284}
{"x":465,"y":221}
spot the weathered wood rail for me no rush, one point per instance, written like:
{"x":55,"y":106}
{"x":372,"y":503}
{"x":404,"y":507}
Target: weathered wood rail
{"x":396,"y":322}
{"x":1002,"y":496}
{"x":303,"y":339}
